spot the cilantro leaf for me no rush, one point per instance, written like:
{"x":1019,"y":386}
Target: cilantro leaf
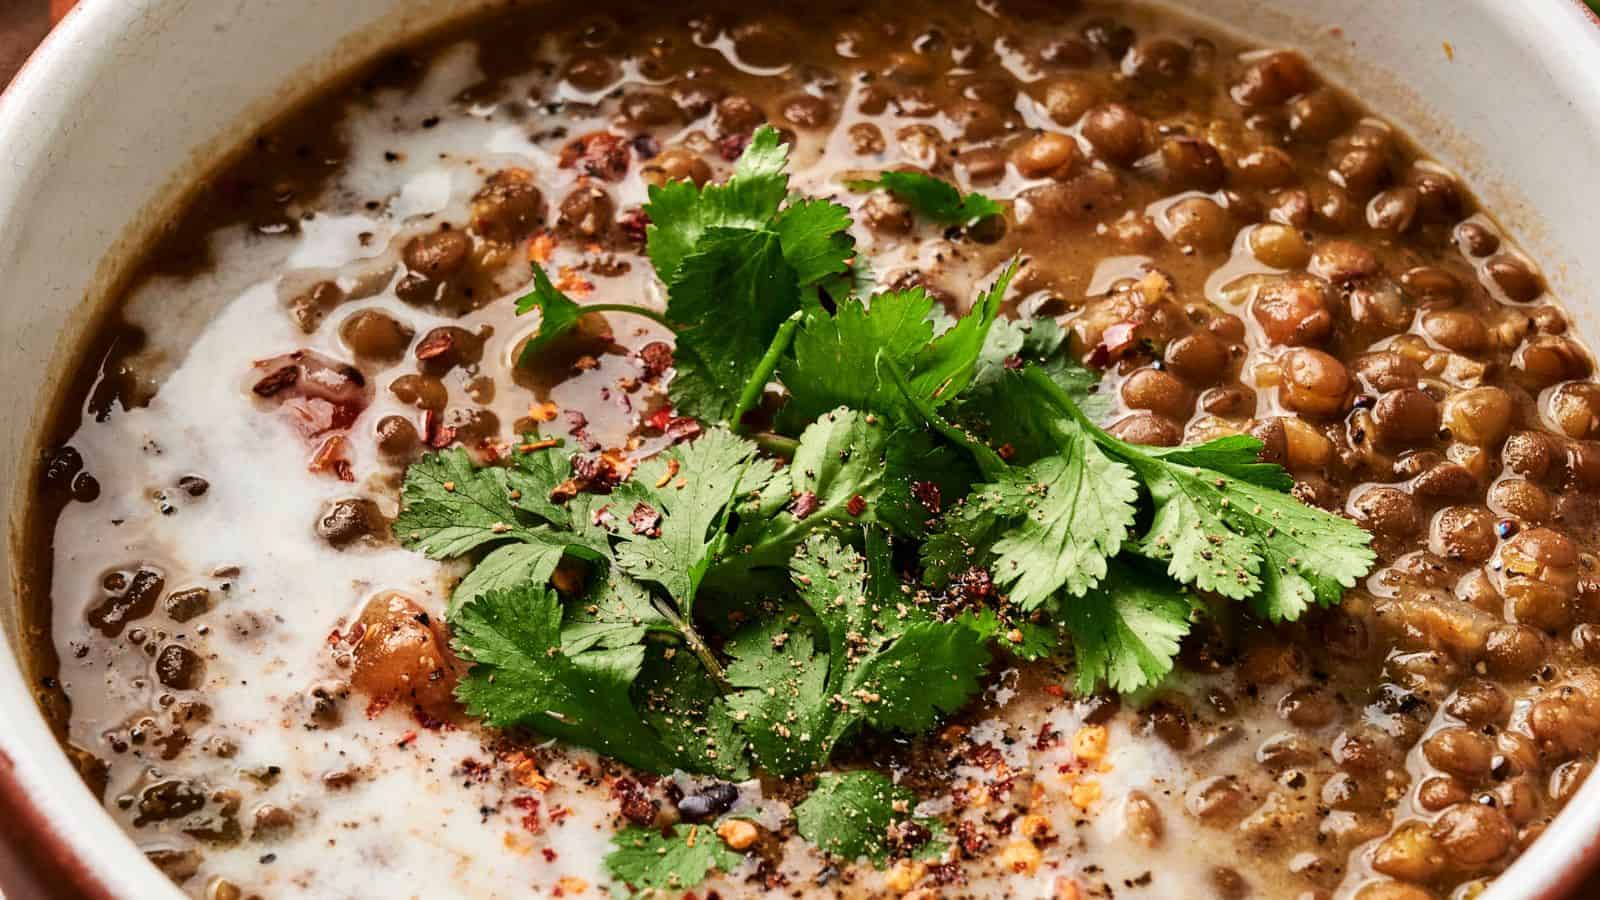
{"x":1072,"y":512}
{"x":520,"y":675}
{"x":962,"y":540}
{"x":648,"y":859}
{"x":1243,"y":540}
{"x":849,"y":814}
{"x":509,"y":566}
{"x":837,"y":360}
{"x":782,"y":696}
{"x":1038,"y":640}
{"x":558,"y":314}
{"x":835,"y":357}
{"x":1236,"y":455}
{"x":616,"y":612}
{"x":681,"y":213}
{"x":815,"y":235}
{"x":733,"y":292}
{"x":933,"y":197}
{"x":689,"y":713}
{"x":946,"y":366}
{"x":1064,"y":516}
{"x":922,"y":476}
{"x":1005,"y":411}
{"x":665,"y":513}
{"x":1231,"y":529}
{"x":765,"y":156}
{"x":451,"y":508}
{"x":836,"y":475}
{"x":881,"y":659}
{"x":1042,"y":343}
{"x":1126,"y":632}
{"x":931,"y":670}
{"x":904,"y":668}
{"x":737,"y":264}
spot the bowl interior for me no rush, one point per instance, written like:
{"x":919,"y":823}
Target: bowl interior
{"x":106,"y":128}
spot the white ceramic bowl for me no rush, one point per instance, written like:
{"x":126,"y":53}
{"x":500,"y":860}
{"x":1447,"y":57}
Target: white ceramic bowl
{"x":129,"y":100}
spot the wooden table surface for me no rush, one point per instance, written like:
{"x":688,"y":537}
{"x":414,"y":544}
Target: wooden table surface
{"x":23,"y":23}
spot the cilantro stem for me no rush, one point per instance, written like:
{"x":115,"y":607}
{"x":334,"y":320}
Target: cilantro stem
{"x":776,"y":444}
{"x":652,"y":315}
{"x":764,"y":369}
{"x":697,"y":645}
{"x":1063,"y":400}
{"x":1132,"y":454}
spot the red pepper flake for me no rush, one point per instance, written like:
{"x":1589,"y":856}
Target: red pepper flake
{"x":657,"y":421}
{"x":1013,"y":362}
{"x":975,"y":584}
{"x":683,"y":428}
{"x":599,"y":153}
{"x":972,"y":843}
{"x":333,"y":457}
{"x":1006,"y":451}
{"x":530,"y":818}
{"x":985,"y":756}
{"x":619,"y":464}
{"x":560,"y":814}
{"x":549,"y":857}
{"x":1055,"y":690}
{"x":804,"y":505}
{"x":1048,"y":737}
{"x":476,"y":772}
{"x":645,"y":520}
{"x":571,"y":282}
{"x":856,"y":506}
{"x":410,"y":737}
{"x":437,"y":434}
{"x":928,"y":494}
{"x":636,"y":807}
{"x":732,"y":146}
{"x":540,"y":247}
{"x":1114,"y":342}
{"x":635,"y":224}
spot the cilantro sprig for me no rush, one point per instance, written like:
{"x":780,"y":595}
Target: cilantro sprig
{"x":924,"y":498}
{"x":933,"y":197}
{"x":648,"y":860}
{"x":850,"y":816}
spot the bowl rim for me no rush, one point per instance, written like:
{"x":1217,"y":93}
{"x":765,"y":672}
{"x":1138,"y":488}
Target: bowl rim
{"x":60,"y":840}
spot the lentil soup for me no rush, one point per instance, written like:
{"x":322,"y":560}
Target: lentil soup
{"x":257,"y":670}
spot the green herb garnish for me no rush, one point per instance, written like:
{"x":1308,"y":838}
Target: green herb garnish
{"x":933,"y":197}
{"x":649,"y":860}
{"x":924,"y":498}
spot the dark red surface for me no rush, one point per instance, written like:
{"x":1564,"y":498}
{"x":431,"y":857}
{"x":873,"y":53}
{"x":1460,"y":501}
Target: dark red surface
{"x":34,"y":865}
